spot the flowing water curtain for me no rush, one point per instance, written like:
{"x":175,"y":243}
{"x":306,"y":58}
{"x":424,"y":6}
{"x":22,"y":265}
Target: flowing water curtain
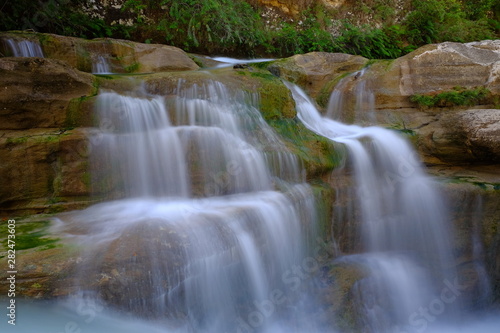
{"x":209,"y":264}
{"x":24,"y":48}
{"x":352,"y":100}
{"x":404,"y":223}
{"x":135,"y":137}
{"x":100,"y":64}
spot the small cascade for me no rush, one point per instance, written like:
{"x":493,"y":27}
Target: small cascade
{"x":352,"y":100}
{"x":25,"y":48}
{"x":198,"y":235}
{"x":472,"y":207}
{"x":403,"y":223}
{"x":100,"y":65}
{"x":226,"y":62}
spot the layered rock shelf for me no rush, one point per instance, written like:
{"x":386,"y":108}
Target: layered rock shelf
{"x":46,"y":116}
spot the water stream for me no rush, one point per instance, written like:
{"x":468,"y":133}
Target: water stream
{"x":209,"y":225}
{"x":100,"y":64}
{"x":24,"y":48}
{"x":197,"y":236}
{"x":405,"y":256}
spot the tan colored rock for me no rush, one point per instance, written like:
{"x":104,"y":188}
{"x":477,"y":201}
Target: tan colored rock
{"x":123,"y":56}
{"x":435,"y":68}
{"x":459,"y":136}
{"x":289,"y":7}
{"x":333,"y":3}
{"x":162,"y":58}
{"x":315,"y":71}
{"x":37,"y":92}
{"x":482,"y":131}
{"x":43,"y":171}
{"x":443,"y":66}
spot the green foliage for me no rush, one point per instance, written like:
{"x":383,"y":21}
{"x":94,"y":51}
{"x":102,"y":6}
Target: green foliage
{"x":477,"y":9}
{"x":63,"y":17}
{"x":372,"y":43}
{"x":434,"y":21}
{"x":235,"y":27}
{"x":200,"y":25}
{"x":457,"y":97}
{"x":30,"y":235}
{"x":291,"y":40}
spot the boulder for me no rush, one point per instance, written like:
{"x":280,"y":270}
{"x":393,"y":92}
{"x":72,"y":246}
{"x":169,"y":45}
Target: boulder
{"x":37,"y":92}
{"x":122,"y":56}
{"x":316,"y":72}
{"x":440,"y":67}
{"x":54,"y":175}
{"x":482,"y":131}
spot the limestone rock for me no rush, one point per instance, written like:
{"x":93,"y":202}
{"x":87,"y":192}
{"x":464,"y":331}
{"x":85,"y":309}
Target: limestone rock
{"x":482,"y":130}
{"x":314,"y":71}
{"x":162,"y":58}
{"x":43,"y":171}
{"x":37,"y":92}
{"x":438,"y":67}
{"x":122,"y":56}
{"x":432,"y":69}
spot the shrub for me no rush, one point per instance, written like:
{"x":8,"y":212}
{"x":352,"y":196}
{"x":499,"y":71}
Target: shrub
{"x":457,"y":97}
{"x":201,"y":25}
{"x":62,"y":17}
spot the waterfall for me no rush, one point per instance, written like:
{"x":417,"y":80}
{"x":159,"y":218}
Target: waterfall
{"x":403,"y":225}
{"x":24,"y":48}
{"x":197,"y":234}
{"x":351,"y":101}
{"x":100,"y":65}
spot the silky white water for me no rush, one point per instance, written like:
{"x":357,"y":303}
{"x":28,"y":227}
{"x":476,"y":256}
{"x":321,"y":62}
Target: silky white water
{"x":406,"y":249}
{"x":100,"y":64}
{"x":226,"y":62}
{"x":197,"y":237}
{"x":352,"y":101}
{"x":24,"y":48}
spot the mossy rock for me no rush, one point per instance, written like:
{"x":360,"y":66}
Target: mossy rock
{"x":339,"y":279}
{"x":43,"y":261}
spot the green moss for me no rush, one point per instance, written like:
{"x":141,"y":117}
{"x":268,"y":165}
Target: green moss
{"x":459,"y":96}
{"x":30,"y":235}
{"x":79,"y":112}
{"x":318,"y":154}
{"x":275,"y":99}
{"x":326,"y":91}
{"x":324,"y":198}
{"x":197,"y":60}
{"x":17,"y":141}
{"x":262,"y":65}
{"x":487,"y":186}
{"x":55,"y":209}
{"x":263,"y":75}
{"x":132,"y":68}
{"x":86,"y":178}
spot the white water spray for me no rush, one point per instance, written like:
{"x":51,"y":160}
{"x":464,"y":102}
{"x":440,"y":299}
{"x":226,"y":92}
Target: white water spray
{"x":100,"y":65}
{"x":25,"y":48}
{"x":403,"y":222}
{"x":202,"y":239}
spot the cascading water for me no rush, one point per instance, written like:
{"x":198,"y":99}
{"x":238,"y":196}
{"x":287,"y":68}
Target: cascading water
{"x":360,"y":107}
{"x":403,"y":226}
{"x":100,"y":65}
{"x":202,"y":239}
{"x":24,"y":48}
